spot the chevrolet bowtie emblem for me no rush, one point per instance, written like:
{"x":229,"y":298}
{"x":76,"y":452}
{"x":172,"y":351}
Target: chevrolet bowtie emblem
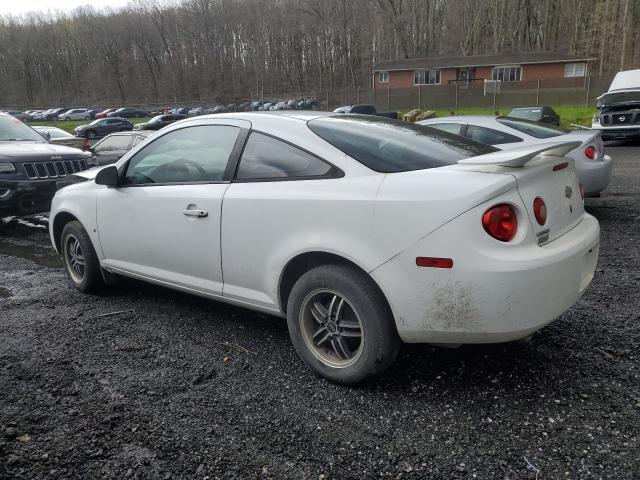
{"x":568,"y":191}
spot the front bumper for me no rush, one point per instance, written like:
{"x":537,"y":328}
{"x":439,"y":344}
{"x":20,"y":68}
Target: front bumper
{"x":618,"y":133}
{"x":25,"y":197}
{"x":492,"y":294}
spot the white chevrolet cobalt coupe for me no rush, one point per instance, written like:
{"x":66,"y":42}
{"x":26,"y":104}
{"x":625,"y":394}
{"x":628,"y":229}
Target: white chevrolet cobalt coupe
{"x":362,"y":231}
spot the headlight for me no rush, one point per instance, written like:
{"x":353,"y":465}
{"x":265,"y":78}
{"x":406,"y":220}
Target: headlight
{"x":92,"y":162}
{"x":7,"y":168}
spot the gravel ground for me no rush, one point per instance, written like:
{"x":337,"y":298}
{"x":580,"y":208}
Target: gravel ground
{"x":144,"y":382}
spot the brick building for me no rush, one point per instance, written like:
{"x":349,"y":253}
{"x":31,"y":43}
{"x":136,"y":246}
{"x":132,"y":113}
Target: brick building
{"x":410,"y":72}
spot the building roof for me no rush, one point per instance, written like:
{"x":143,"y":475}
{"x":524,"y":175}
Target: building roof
{"x":478,"y":61}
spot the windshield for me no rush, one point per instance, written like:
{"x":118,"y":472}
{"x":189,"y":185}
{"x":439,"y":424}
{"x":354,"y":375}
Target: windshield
{"x":618,"y":98}
{"x":537,"y":130}
{"x":12,"y":130}
{"x":389,"y":146}
{"x":157,"y":118}
{"x":98,"y":121}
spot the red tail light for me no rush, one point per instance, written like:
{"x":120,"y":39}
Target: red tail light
{"x":590,"y":152}
{"x":581,"y":191}
{"x":501,"y":222}
{"x":540,"y":211}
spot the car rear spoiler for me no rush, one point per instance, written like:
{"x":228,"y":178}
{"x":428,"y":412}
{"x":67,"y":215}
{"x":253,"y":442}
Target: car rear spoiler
{"x":518,"y":157}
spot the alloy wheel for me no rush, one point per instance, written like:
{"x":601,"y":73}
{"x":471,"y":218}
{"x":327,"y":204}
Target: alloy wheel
{"x":74,"y":258}
{"x":331,"y":328}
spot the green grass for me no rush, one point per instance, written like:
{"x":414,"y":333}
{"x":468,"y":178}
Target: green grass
{"x":71,"y":125}
{"x":569,"y":114}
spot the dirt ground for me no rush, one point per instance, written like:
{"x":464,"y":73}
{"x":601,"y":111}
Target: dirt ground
{"x":144,"y":382}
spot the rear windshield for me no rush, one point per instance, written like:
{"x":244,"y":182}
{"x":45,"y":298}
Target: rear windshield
{"x":390,"y":146}
{"x":534,"y":129}
{"x":527,"y":113}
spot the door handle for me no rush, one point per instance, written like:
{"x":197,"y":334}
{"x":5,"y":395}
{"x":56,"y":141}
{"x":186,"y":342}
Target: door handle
{"x":193,"y":212}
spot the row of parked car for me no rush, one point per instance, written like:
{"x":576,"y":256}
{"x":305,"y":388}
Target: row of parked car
{"x":68,"y":114}
{"x":91,"y":113}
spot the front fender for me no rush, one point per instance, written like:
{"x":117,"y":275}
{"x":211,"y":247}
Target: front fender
{"x":74,"y":202}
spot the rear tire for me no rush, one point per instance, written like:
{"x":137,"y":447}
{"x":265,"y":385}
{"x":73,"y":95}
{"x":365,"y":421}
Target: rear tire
{"x":341,"y":325}
{"x":80,"y":259}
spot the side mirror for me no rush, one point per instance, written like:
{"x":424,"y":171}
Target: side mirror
{"x":108,"y":176}
{"x":46,"y":135}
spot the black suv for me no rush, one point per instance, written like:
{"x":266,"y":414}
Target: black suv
{"x":103,"y":126}
{"x":30,"y":167}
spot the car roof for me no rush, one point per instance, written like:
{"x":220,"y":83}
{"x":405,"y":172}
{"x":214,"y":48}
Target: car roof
{"x":259,"y":117}
{"x":460,"y":118}
{"x":142,"y":133}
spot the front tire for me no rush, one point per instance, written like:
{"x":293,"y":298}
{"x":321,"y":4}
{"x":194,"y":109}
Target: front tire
{"x":80,"y":259}
{"x":341,"y":325}
{"x":91,"y":134}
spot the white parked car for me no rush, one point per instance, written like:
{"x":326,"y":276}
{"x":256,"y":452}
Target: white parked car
{"x":362,"y":231}
{"x":75,"y":114}
{"x":60,"y":137}
{"x":593,"y":167}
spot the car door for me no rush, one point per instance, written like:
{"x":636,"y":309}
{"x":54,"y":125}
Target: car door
{"x":163,"y":223}
{"x":275,"y":182}
{"x":117,"y":125}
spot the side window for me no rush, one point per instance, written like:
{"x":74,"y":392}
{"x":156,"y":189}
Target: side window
{"x":113,"y":143}
{"x":446,"y":127}
{"x":192,"y":154}
{"x":489,"y":135}
{"x":265,"y":157}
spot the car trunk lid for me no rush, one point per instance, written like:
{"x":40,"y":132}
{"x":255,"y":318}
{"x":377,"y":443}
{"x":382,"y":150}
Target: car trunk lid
{"x":540,"y":171}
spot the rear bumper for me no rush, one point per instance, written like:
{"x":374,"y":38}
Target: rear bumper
{"x":491,"y":294}
{"x":595,"y":175}
{"x":26,"y":197}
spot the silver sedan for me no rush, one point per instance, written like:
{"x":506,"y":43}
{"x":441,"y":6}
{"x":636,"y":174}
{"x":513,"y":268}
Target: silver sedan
{"x":593,"y":167}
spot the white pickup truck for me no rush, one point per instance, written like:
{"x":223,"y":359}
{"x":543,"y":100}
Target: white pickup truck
{"x":618,"y":115}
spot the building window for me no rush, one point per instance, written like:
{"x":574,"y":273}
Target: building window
{"x":383,"y":77}
{"x":427,"y":77}
{"x":575,"y":69}
{"x":507,"y":73}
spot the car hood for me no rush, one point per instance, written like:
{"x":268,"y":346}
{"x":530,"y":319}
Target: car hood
{"x":91,"y":173}
{"x":19,"y":151}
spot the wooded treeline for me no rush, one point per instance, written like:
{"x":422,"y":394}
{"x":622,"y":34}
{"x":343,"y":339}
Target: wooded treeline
{"x":161,"y":51}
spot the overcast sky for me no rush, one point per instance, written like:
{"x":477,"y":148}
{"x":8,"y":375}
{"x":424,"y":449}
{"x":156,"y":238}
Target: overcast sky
{"x":17,"y":7}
